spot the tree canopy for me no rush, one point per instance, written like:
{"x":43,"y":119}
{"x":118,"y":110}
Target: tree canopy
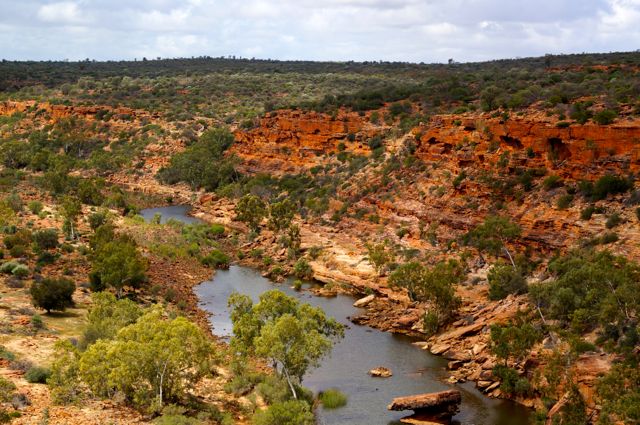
{"x":53,"y":294}
{"x":116,"y":263}
{"x":250,"y":209}
{"x":591,"y":288}
{"x":150,"y":361}
{"x":203,"y":164}
{"x":431,"y":284}
{"x":493,"y":234}
{"x":293,"y":336}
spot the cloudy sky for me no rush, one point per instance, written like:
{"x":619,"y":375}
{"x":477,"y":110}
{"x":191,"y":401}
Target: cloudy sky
{"x":406,"y":30}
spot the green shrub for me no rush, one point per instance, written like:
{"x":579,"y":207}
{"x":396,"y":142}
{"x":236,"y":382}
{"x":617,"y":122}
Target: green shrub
{"x":610,"y":184}
{"x":290,"y":412}
{"x":401,"y":232}
{"x":459,"y":179}
{"x":20,"y":271}
{"x":35,"y":207}
{"x":580,"y":346}
{"x":174,"y":415}
{"x":430,"y":323}
{"x":47,"y":257}
{"x":609,"y":237}
{"x":53,"y":294}
{"x":18,"y":251}
{"x":580,"y":112}
{"x":7,"y":389}
{"x":613,"y":220}
{"x":8,"y":266}
{"x":251,"y":209}
{"x":274,"y":389}
{"x":551,"y":182}
{"x":514,"y":340}
{"x":21,"y":237}
{"x":216,"y":230}
{"x":605,"y":116}
{"x":6,"y":417}
{"x":587,"y":212}
{"x":619,"y":394}
{"x":302,"y":269}
{"x":14,"y":202}
{"x":511,"y":381}
{"x":574,"y":411}
{"x":107,"y":316}
{"x":564,"y":201}
{"x":37,"y":375}
{"x":332,"y":398}
{"x":68,"y":248}
{"x":216,"y":259}
{"x":276,"y":272}
{"x":375,"y":142}
{"x":37,"y":322}
{"x":98,"y":219}
{"x":433,"y":284}
{"x":163,"y":356}
{"x":46,"y":239}
{"x":6,"y":354}
{"x":504,"y":280}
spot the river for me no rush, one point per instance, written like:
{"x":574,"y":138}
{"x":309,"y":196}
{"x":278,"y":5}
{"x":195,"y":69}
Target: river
{"x":414,"y":370}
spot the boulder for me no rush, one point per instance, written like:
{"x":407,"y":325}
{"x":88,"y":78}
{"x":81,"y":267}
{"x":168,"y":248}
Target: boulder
{"x":455,"y":364}
{"x":381,"y":372}
{"x":363,"y":302}
{"x":438,"y":349}
{"x":478,"y":348}
{"x":408,"y":319}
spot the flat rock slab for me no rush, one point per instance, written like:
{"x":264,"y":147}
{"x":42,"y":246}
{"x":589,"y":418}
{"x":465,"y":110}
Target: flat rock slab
{"x":441,"y":405}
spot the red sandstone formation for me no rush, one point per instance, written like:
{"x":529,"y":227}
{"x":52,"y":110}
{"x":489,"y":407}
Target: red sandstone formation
{"x":293,"y":141}
{"x":578,"y":151}
{"x":56,"y":112}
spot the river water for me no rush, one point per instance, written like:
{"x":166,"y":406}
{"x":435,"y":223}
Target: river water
{"x":414,"y":370}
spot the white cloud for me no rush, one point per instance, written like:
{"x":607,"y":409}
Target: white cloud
{"x":65,"y":12}
{"x":413,"y":30}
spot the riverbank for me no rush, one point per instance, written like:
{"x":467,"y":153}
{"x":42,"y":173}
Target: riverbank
{"x":384,"y":313}
{"x":339,"y":263}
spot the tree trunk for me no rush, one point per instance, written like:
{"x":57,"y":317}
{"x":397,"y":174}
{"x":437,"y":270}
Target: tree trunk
{"x":510,"y":257}
{"x":293,"y":390}
{"x":161,"y":386}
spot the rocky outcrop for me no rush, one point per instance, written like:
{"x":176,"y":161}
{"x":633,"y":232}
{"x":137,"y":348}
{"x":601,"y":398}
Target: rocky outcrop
{"x":381,"y":372}
{"x":577,"y":151}
{"x":294,"y":141}
{"x":57,"y":112}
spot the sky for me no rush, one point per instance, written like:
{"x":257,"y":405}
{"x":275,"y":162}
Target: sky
{"x":338,"y":30}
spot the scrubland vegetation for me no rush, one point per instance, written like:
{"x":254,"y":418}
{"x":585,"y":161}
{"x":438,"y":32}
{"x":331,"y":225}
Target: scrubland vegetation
{"x":74,"y":246}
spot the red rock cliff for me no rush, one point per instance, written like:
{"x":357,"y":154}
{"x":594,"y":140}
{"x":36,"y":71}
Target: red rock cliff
{"x":292,"y":141}
{"x":578,"y":151}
